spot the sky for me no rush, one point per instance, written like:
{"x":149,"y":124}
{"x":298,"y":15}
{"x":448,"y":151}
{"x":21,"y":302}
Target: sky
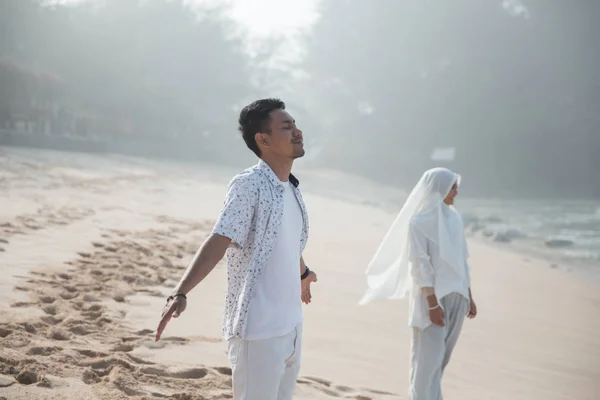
{"x":262,"y":18}
{"x":288,"y":21}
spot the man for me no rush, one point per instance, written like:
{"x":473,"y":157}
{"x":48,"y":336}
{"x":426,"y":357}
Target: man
{"x":426,"y":248}
{"x":263,"y":227}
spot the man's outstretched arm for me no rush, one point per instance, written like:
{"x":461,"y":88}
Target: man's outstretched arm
{"x":206,"y":258}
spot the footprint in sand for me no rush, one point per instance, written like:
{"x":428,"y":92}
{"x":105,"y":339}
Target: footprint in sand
{"x":14,"y":339}
{"x":123,"y":347}
{"x":69,"y":293}
{"x":43,"y":351}
{"x":47,"y":299}
{"x":344,"y":389}
{"x":328,"y":388}
{"x":103,"y":365}
{"x":93,"y":307}
{"x":124,"y":381}
{"x":32,"y":327}
{"x":90,"y":377}
{"x":64,"y":276}
{"x":138,"y":360}
{"x":90,"y":298}
{"x":186,"y":373}
{"x":81,"y":330}
{"x":51,"y":320}
{"x":22,"y":304}
{"x":50,"y":310}
{"x":59,"y":334}
{"x":320,"y":381}
{"x":91,"y":353}
{"x":4,"y":332}
{"x":223,"y":370}
{"x":27,"y":376}
{"x":91,"y":315}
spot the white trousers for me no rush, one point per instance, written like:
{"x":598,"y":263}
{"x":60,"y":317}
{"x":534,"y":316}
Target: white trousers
{"x":266,"y":369}
{"x":432,"y":348}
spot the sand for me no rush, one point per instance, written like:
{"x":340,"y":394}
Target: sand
{"x":90,"y":245}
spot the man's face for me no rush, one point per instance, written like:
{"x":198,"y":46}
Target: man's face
{"x":285,"y":139}
{"x":451,"y":195}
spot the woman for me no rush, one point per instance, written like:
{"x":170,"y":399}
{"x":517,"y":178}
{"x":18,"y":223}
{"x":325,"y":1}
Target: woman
{"x":425,"y":255}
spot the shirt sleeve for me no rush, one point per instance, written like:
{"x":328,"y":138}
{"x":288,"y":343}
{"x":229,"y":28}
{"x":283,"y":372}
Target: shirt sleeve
{"x":237,"y":214}
{"x":421,"y":269}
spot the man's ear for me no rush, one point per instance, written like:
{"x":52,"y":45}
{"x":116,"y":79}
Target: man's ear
{"x":262,"y":139}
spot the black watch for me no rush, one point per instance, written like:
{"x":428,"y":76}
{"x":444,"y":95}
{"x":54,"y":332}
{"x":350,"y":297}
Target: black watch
{"x":305,"y":274}
{"x":173,"y":296}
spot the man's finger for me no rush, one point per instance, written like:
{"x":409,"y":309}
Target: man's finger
{"x":306,"y":296}
{"x":161,"y":328}
{"x":166,"y":317}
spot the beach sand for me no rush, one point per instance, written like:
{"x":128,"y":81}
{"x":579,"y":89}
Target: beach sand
{"x":91,"y":245}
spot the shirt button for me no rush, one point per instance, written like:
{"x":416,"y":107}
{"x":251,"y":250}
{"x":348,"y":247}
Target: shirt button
{"x":281,"y":189}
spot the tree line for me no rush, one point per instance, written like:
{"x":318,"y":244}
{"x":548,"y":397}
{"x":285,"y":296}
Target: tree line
{"x":512,"y":86}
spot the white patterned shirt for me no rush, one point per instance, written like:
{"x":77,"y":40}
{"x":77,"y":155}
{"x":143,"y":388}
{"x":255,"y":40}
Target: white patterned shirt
{"x":251,"y":217}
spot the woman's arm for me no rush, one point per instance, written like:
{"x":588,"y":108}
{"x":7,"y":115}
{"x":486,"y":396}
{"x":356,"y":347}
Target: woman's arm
{"x":421,"y":269}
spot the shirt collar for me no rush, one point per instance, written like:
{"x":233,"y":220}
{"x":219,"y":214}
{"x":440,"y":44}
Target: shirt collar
{"x":263,"y":166}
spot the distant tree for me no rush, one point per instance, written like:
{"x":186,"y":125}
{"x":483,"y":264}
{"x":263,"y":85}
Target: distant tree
{"x":152,"y":69}
{"x":516,"y":94}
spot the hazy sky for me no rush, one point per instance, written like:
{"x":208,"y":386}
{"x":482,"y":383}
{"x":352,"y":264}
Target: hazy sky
{"x":262,"y":18}
{"x":288,"y":20}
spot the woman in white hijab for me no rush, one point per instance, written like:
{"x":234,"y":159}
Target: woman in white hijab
{"x":424,"y":255}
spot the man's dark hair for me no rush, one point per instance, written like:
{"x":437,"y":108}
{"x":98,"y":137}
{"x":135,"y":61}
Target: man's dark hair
{"x":254,"y":118}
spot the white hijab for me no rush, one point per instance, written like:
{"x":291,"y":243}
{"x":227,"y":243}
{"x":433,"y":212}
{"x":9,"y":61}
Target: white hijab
{"x":388,"y":273}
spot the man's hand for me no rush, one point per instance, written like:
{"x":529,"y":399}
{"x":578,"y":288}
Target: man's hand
{"x":305,"y":283}
{"x":472,"y":313}
{"x":437,"y":316}
{"x":173,"y":309}
{"x":208,"y":255}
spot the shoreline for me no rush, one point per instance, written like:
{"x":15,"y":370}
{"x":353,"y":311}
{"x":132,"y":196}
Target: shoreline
{"x":584,"y":268}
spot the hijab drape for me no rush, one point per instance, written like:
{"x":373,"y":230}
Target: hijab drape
{"x":388,"y":275}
